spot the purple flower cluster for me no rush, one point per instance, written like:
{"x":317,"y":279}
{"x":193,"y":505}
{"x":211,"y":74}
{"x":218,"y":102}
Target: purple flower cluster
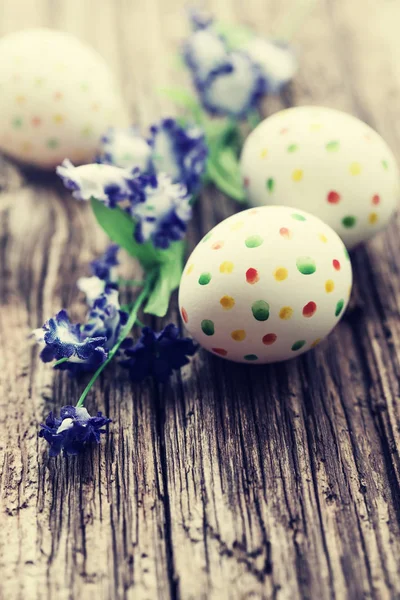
{"x":231,"y":81}
{"x":73,"y":430}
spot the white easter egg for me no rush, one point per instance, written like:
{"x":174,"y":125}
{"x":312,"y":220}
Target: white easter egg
{"x":326,"y":162}
{"x":265,"y":285}
{"x":58,"y":97}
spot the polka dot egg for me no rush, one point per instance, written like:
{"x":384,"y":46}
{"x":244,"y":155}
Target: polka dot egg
{"x":57,"y":98}
{"x":265,"y":285}
{"x":326,"y":162}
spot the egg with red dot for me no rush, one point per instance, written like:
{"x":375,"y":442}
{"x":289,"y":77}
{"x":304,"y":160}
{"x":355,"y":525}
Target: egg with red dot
{"x":279,"y":280}
{"x":328,"y":163}
{"x":50,"y":83}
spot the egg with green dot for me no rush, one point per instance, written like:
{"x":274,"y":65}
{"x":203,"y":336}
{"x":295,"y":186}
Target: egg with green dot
{"x":326,"y":162}
{"x":58,"y":97}
{"x":265,"y":285}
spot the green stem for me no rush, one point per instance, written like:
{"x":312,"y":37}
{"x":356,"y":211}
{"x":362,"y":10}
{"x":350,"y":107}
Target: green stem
{"x":131,"y":321}
{"x":132,"y":282}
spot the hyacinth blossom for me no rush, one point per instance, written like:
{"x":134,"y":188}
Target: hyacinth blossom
{"x":180,"y":152}
{"x":73,"y":430}
{"x":125,"y":148}
{"x":160,"y":208}
{"x":104,"y":273}
{"x":158,"y":354}
{"x":84,"y":347}
{"x":232,"y":80}
{"x":106,"y":183}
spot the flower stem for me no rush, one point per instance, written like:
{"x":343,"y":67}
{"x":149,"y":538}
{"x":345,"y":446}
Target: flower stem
{"x":125,"y":331}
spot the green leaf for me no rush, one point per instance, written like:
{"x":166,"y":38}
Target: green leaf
{"x":183,"y":98}
{"x":235,"y":36}
{"x":167,"y":281}
{"x":119,"y":226}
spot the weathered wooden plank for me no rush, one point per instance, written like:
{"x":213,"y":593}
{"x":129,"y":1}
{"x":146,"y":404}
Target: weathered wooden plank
{"x":236,"y":481}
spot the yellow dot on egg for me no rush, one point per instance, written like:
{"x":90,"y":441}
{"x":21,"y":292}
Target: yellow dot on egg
{"x":264,"y":153}
{"x":39,"y":81}
{"x":26,"y":147}
{"x":355,"y":168}
{"x":373,"y":218}
{"x":286,"y":313}
{"x":86,"y":131}
{"x":226,"y":267}
{"x":58,"y":119}
{"x":329,"y":286}
{"x":323,"y":238}
{"x":227,"y":302}
{"x":61,"y":66}
{"x":316,"y":342}
{"x":238,"y":335}
{"x":315,"y":126}
{"x":236,"y":226}
{"x":281,"y":274}
{"x":189,"y":269}
{"x":20,"y":99}
{"x":297,"y":175}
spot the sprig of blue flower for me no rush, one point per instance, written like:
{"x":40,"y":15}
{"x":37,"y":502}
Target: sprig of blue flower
{"x":73,"y":431}
{"x":104,"y":273}
{"x":158,"y":354}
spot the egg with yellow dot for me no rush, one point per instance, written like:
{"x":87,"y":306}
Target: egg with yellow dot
{"x":326,"y":162}
{"x":58,"y":97}
{"x":268,"y":291}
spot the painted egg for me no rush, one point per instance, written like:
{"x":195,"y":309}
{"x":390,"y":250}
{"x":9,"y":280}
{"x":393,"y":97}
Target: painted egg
{"x":326,"y":162}
{"x":265,"y":285}
{"x":58,"y":97}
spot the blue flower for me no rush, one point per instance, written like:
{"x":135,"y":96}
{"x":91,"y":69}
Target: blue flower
{"x":73,"y":431}
{"x":179,"y":152}
{"x":105,"y":318}
{"x":102,"y":267}
{"x":276,"y":61}
{"x":161,"y":209}
{"x":85,"y":346}
{"x":205,"y":54}
{"x":125,"y":148}
{"x":158,"y":354}
{"x":234,"y":90}
{"x":104,"y":274}
{"x":62,"y":339}
{"x":107,"y":183}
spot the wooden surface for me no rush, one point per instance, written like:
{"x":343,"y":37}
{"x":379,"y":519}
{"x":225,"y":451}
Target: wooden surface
{"x":236,"y":481}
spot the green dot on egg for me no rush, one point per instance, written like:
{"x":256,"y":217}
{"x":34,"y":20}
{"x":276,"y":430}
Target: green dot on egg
{"x":339,"y":308}
{"x":306,"y":265}
{"x":385,"y":164}
{"x":207,"y":327}
{"x":298,"y":345}
{"x":206,"y":237}
{"x":253,"y":241}
{"x":205,"y":278}
{"x":298,"y":217}
{"x":250,"y":357}
{"x":270,"y":184}
{"x":260,"y":310}
{"x":349,"y":221}
{"x":292,"y":148}
{"x":333,"y":146}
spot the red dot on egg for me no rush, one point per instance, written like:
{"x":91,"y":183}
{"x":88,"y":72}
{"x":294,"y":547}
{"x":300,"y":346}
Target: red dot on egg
{"x":184,"y":315}
{"x":219,"y":351}
{"x":376,"y":199}
{"x":284,"y":130}
{"x":217,"y":245}
{"x":285,"y":233}
{"x":336,"y":264}
{"x":309,"y":309}
{"x":333,"y":197}
{"x":252,"y":276}
{"x":36,"y":121}
{"x":269,"y":339}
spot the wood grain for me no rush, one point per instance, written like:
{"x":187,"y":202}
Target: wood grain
{"x":235,"y":481}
